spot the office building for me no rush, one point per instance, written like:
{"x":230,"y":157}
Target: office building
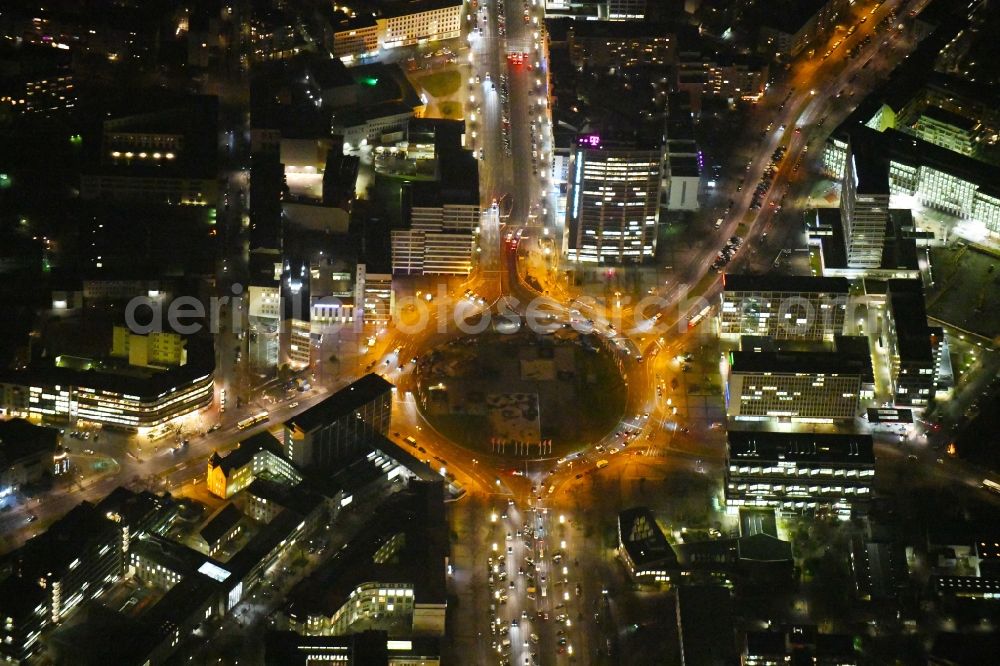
{"x":705,"y":625}
{"x":341,"y":426}
{"x":391,"y":574}
{"x":879,"y":569}
{"x":36,"y":81}
{"x":134,"y":513}
{"x":683,"y":178}
{"x":789,"y":27}
{"x":374,"y":298}
{"x":133,"y":399}
{"x":795,"y":471}
{"x":613,"y":206}
{"x":864,"y":204}
{"x":27,"y":452}
{"x":72,"y":562}
{"x":947,"y":129}
{"x":371,"y":648}
{"x":441,"y":234}
{"x":440,"y":241}
{"x":355,"y":37}
{"x":418,"y":21}
{"x":262,"y":304}
{"x":166,"y":156}
{"x":257,"y":456}
{"x":622,"y":44}
{"x":798,"y":386}
{"x":98,"y":291}
{"x":915,"y":348}
{"x":372,"y":125}
{"x":643,"y":548}
{"x":220,"y":529}
{"x":783,"y":307}
{"x":682,"y":159}
{"x":714,"y":76}
{"x":441,"y":219}
{"x":920,"y":171}
{"x":825,"y":229}
{"x":394,"y":25}
{"x":798,"y":644}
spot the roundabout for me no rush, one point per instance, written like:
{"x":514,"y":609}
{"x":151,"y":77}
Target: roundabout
{"x":521,"y":395}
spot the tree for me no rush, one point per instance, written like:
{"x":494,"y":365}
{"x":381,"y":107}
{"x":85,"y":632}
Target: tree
{"x":284,"y":373}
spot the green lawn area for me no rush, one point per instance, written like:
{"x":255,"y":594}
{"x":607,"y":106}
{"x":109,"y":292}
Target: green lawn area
{"x":814,"y":261}
{"x":468,"y":429}
{"x":441,"y":84}
{"x":451,"y":110}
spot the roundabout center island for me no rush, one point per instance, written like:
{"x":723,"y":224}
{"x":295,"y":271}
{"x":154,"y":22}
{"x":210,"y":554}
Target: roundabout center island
{"x":521,"y":395}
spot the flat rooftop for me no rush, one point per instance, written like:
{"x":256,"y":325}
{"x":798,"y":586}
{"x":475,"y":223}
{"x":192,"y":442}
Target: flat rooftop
{"x":909,"y":312}
{"x":21,"y":439}
{"x":146,"y":383}
{"x":706,"y":627}
{"x":755,"y":446}
{"x":800,"y":362}
{"x":418,"y":514}
{"x":871,"y":165}
{"x":343,"y":402}
{"x":785,"y":283}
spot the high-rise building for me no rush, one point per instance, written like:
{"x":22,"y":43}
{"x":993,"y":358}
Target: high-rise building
{"x":341,"y":426}
{"x":783,"y":307}
{"x":373,"y":298}
{"x":914,"y":347}
{"x":613,"y":206}
{"x":441,"y":218}
{"x":798,"y":471}
{"x":626,"y":10}
{"x":864,"y":204}
{"x":936,"y":177}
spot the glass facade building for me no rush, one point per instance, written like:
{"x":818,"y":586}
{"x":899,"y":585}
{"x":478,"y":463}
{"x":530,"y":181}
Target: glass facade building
{"x":613,"y":204}
{"x":798,"y":471}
